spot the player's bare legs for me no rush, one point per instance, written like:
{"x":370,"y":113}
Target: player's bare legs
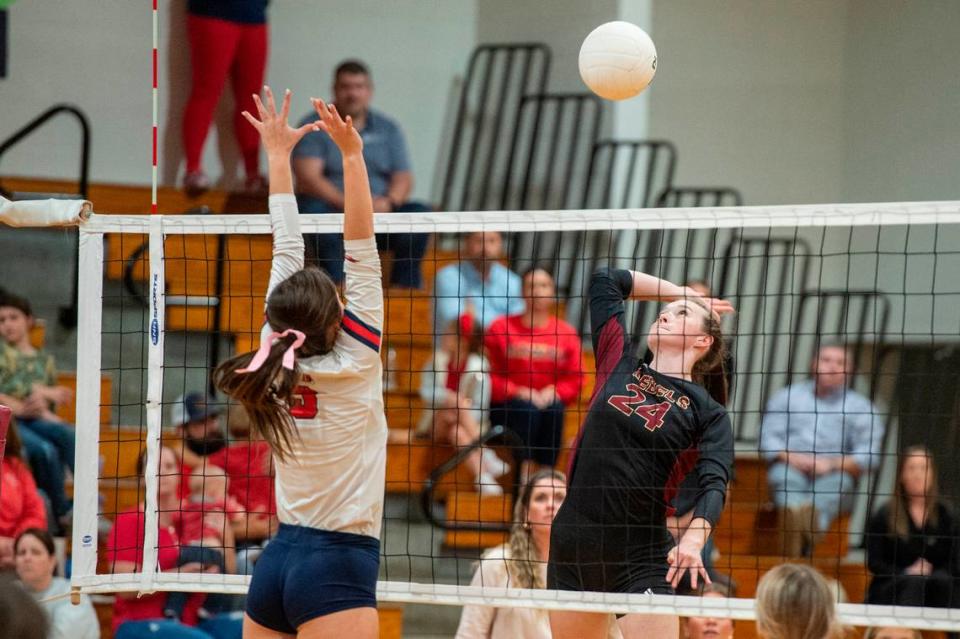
{"x":581,"y":625}
{"x":357,"y":623}
{"x":639,"y":626}
{"x":253,"y":630}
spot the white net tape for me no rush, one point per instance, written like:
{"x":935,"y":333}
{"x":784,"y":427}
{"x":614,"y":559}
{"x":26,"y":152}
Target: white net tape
{"x":891,"y":229}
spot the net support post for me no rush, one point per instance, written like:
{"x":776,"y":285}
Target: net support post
{"x":87,"y":466}
{"x":154,"y":405}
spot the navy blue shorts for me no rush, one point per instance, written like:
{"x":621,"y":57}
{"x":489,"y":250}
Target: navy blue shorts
{"x":305,"y":573}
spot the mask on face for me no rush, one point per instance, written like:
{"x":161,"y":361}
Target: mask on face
{"x":206,"y":445}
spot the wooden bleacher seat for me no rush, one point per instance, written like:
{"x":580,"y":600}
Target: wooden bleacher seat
{"x":38,"y":333}
{"x":68,"y":412}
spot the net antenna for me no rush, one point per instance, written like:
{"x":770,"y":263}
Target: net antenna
{"x":852,"y":244}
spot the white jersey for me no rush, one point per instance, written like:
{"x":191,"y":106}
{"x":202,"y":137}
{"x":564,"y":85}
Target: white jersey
{"x":334,"y":478}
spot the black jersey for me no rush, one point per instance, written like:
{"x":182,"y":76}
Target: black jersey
{"x":644,"y":431}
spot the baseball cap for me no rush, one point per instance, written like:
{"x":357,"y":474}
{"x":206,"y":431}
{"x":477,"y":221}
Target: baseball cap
{"x":193,"y":407}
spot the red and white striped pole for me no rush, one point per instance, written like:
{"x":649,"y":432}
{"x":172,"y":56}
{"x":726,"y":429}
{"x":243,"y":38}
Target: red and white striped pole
{"x":156,"y":34}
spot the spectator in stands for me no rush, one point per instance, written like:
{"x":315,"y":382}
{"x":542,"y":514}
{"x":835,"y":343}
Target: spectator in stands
{"x":710,"y":627}
{"x":535,"y":370}
{"x":227,"y":37}
{"x":28,"y":387}
{"x":318,"y":172}
{"x":196,"y":420}
{"x":21,"y":506}
{"x":20,"y":616}
{"x":520,"y":563}
{"x":892,"y":633}
{"x":249,"y":468}
{"x":135,"y":617}
{"x":819,"y":437}
{"x":479,"y":280}
{"x":455,"y":388}
{"x":206,"y":537}
{"x":912,"y":547}
{"x":795,"y":602}
{"x":36,"y":564}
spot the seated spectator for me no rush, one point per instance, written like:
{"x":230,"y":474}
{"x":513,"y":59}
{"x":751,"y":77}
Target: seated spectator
{"x":206,"y":538}
{"x":478,"y":281}
{"x":535,"y":370}
{"x":318,"y":171}
{"x":892,"y":633}
{"x":819,"y":437}
{"x":28,"y":387}
{"x":36,"y":565}
{"x":135,"y":616}
{"x":455,"y":389}
{"x":20,"y":616}
{"x":249,"y":469}
{"x":795,"y":602}
{"x":911,"y":541}
{"x":709,"y":627}
{"x":520,"y":563}
{"x":21,"y":506}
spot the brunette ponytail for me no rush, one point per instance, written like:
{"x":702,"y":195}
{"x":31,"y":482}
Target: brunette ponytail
{"x":710,"y":370}
{"x":265,"y":393}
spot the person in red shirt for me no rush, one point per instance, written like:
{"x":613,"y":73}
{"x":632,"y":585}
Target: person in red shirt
{"x":134,"y":616}
{"x":535,"y":371}
{"x":21,"y":506}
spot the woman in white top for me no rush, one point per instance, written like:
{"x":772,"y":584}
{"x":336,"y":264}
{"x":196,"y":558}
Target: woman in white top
{"x":455,"y":388}
{"x":35,"y":563}
{"x":313,"y":392}
{"x":519,"y":563}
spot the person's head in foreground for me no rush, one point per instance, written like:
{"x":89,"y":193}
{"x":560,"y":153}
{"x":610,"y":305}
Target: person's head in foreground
{"x":20,"y":616}
{"x":304,"y":311}
{"x":877,"y":632}
{"x":831,"y":368}
{"x":795,"y":602}
{"x":537,"y":505}
{"x":710,"y":627}
{"x":687,"y":331}
{"x":35,"y":559}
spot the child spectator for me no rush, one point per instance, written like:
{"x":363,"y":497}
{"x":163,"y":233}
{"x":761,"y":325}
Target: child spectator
{"x":535,"y":370}
{"x":455,"y":389}
{"x":205,"y":536}
{"x":28,"y":387}
{"x":21,"y":506}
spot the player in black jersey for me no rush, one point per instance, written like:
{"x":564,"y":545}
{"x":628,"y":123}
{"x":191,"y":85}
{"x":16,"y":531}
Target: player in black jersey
{"x":647,"y":426}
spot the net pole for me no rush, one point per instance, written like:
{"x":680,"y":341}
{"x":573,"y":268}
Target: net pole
{"x":156,"y":38}
{"x":85,"y":489}
{"x":154,"y":404}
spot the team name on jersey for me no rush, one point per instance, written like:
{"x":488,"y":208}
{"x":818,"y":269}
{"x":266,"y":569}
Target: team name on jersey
{"x":649,"y":385}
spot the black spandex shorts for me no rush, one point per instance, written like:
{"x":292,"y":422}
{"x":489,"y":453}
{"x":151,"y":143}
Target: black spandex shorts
{"x":597,"y":558}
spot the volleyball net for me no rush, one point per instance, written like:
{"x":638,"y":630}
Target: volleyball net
{"x":164,"y":299}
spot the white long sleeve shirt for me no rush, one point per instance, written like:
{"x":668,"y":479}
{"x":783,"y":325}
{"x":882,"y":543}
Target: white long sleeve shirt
{"x":334,"y":478}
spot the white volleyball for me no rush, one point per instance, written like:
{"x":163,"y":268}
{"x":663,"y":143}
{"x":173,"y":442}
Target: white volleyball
{"x":617,"y":60}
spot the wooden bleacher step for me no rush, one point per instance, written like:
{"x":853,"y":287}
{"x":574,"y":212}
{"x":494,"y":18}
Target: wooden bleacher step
{"x":471,"y":507}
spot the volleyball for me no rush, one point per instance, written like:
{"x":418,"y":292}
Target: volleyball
{"x":617,"y":60}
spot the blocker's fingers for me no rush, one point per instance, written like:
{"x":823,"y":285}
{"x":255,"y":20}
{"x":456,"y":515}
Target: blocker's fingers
{"x":252,"y":120}
{"x":260,"y":109}
{"x":270,"y":101}
{"x":705,"y":575}
{"x":308,"y":128}
{"x":285,"y":109}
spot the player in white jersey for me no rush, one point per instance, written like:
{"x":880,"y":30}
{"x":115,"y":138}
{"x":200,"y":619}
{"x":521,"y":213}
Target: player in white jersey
{"x":313,"y":391}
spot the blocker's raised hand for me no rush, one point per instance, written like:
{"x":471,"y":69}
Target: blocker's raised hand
{"x":340,"y":130}
{"x":278,"y":137}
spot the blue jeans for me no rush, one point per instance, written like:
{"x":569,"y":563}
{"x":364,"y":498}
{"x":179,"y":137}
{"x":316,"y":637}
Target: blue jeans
{"x":830,"y":494}
{"x":49,"y":446}
{"x":225,"y":626}
{"x":407,"y":248}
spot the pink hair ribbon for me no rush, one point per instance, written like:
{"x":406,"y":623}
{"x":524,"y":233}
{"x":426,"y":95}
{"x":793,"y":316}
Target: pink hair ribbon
{"x":264,"y":351}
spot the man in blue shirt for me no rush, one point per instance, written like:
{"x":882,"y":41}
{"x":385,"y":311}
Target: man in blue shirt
{"x":819,"y":437}
{"x":318,"y":171}
{"x":479,"y":282}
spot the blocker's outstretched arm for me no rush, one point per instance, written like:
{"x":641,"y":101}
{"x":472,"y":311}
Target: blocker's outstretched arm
{"x":45,"y":212}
